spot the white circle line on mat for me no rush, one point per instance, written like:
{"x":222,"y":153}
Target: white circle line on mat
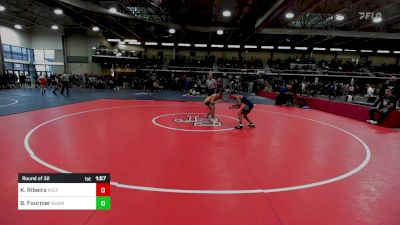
{"x":205,"y":191}
{"x":15,"y":101}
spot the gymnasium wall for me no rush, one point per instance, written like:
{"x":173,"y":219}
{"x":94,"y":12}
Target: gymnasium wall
{"x":379,"y":60}
{"x":12,"y":36}
{"x":42,"y":38}
{"x":37,"y":38}
{"x":78,"y":47}
{"x":323,"y":56}
{"x":78,"y":50}
{"x":266,"y":55}
{"x":285,"y":55}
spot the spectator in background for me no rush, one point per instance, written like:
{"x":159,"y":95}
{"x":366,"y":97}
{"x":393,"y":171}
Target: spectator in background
{"x":56,"y":84}
{"x":22,"y":80}
{"x":384,"y":105}
{"x":65,"y":83}
{"x":153,"y":78}
{"x":303,"y":87}
{"x":351,"y":90}
{"x":339,"y":89}
{"x":394,"y":85}
{"x":331,"y":89}
{"x":370,"y":91}
{"x":186,"y":83}
{"x":42,"y":81}
{"x":35,"y":79}
{"x":250,"y":87}
{"x":28,"y":81}
{"x":220,"y":84}
{"x":285,"y":97}
{"x":211,"y":84}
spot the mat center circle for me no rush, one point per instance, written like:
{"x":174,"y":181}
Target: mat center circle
{"x":164,"y":185}
{"x":195,"y":122}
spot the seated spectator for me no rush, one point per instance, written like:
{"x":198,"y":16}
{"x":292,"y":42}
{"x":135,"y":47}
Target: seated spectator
{"x":394,"y":85}
{"x":193,"y":92}
{"x":284,"y":97}
{"x":370,"y":91}
{"x":384,"y":106}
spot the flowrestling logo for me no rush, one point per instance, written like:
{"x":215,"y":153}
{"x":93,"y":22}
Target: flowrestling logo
{"x":370,"y":15}
{"x":197,"y":120}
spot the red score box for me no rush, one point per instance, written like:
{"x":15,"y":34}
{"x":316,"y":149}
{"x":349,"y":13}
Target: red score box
{"x":102,"y":189}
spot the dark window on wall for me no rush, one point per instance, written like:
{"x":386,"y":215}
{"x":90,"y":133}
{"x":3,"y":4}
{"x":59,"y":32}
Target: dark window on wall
{"x":30,"y":55}
{"x":7,"y":51}
{"x":8,"y":66}
{"x":16,"y":52}
{"x":32,"y":69}
{"x":24,"y":54}
{"x":18,"y":66}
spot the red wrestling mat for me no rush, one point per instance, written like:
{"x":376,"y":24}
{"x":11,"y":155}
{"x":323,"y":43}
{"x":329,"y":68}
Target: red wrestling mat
{"x":170,"y":165}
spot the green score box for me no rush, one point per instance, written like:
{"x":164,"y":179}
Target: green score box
{"x":103,"y":203}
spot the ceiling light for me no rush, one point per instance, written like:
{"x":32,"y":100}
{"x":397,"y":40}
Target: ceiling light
{"x":233,"y":46}
{"x":167,"y":44}
{"x":54,"y":27}
{"x":172,"y":31}
{"x":396,"y":52}
{"x":121,"y":43}
{"x":377,"y":19}
{"x":366,"y":51}
{"x":217,"y":46}
{"x":335,"y":49}
{"x":319,"y":49}
{"x":58,"y":11}
{"x":284,"y":47}
{"x":267,"y":47}
{"x":2,"y":8}
{"x":220,"y":32}
{"x":339,"y":17}
{"x":94,"y":48}
{"x":383,"y":51}
{"x":95,"y":29}
{"x":183,"y":45}
{"x":200,"y":45}
{"x":130,"y":40}
{"x":134,"y":43}
{"x":114,"y":40}
{"x":289,"y":15}
{"x":226,"y":13}
{"x":250,"y":46}
{"x":112,"y":10}
{"x":150,"y":43}
{"x":17,"y":26}
{"x":300,"y":48}
{"x":350,"y":50}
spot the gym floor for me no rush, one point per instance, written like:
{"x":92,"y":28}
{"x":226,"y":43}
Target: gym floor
{"x":168,"y":166}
